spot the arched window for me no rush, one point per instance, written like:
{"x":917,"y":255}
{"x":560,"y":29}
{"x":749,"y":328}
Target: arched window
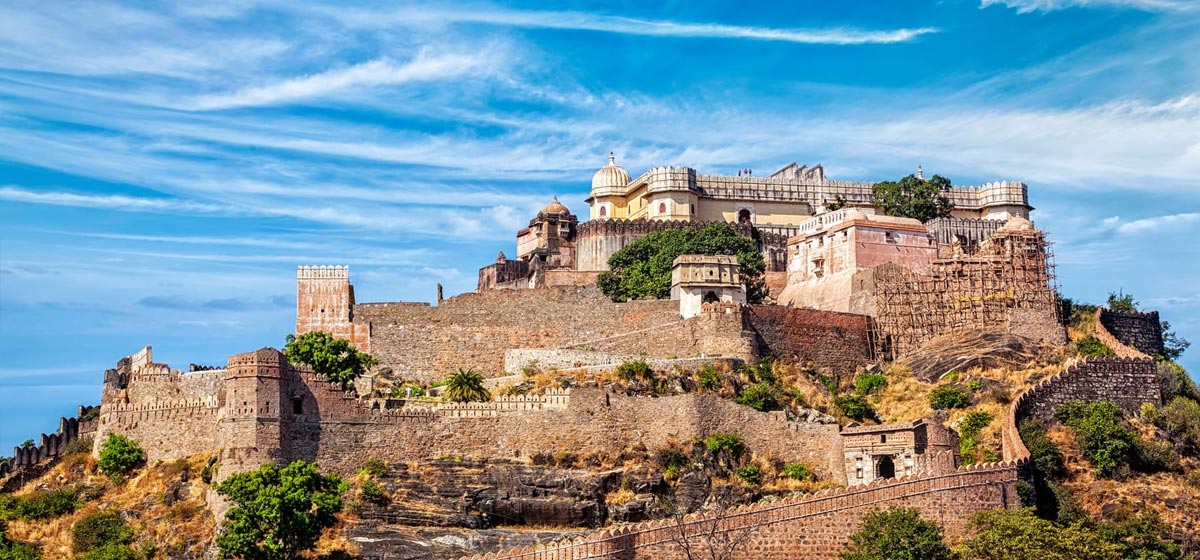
{"x":743,"y":216}
{"x":711,"y":297}
{"x":662,"y":207}
{"x":603,"y":211}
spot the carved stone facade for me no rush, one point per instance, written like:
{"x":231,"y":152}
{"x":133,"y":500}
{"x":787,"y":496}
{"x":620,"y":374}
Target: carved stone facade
{"x":700,"y":279}
{"x":901,"y":449}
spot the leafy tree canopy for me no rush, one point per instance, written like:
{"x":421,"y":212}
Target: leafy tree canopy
{"x":897,"y":534}
{"x":643,"y":268}
{"x":332,"y":357}
{"x":910,"y":197}
{"x":466,"y":385}
{"x":1121,"y":301}
{"x":277,"y":513}
{"x":119,"y":455}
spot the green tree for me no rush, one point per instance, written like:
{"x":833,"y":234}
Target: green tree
{"x":1173,"y":344}
{"x":760,"y":396}
{"x":119,"y":455}
{"x":1121,"y":301}
{"x":898,"y":533}
{"x":854,"y":406}
{"x":910,"y":197}
{"x":1004,"y":534}
{"x":466,"y":385}
{"x":335,"y":358}
{"x":277,"y":513}
{"x":643,"y":268}
{"x":1101,"y":434}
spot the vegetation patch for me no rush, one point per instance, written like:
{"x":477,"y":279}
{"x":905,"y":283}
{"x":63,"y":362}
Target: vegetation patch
{"x":897,"y":533}
{"x":334,"y":358}
{"x":119,"y":455}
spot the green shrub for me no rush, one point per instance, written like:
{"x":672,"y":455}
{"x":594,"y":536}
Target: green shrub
{"x":206,"y":474}
{"x":1091,"y":346}
{"x":974,"y":385}
{"x":797,"y":471}
{"x":1101,"y":435}
{"x":1025,"y":491}
{"x":1046,"y":457}
{"x":854,"y":406}
{"x":100,"y":529}
{"x":375,"y":467}
{"x":119,"y":455}
{"x":726,"y":442}
{"x":751,"y":474}
{"x":897,"y":533}
{"x":372,"y":491}
{"x":635,"y":369}
{"x":949,"y":396}
{"x":866,"y":383}
{"x":1003,"y":534}
{"x":40,"y":505}
{"x":1181,"y":421}
{"x":709,"y":377}
{"x":278,"y":512}
{"x":80,"y":446}
{"x":668,"y":457}
{"x":1155,"y":455}
{"x":969,"y":429}
{"x":110,"y":551}
{"x":1193,"y":478}
{"x":760,"y":396}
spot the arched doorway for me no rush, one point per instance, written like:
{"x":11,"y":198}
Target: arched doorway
{"x":885,"y":467}
{"x":711,"y":297}
{"x":743,"y":216}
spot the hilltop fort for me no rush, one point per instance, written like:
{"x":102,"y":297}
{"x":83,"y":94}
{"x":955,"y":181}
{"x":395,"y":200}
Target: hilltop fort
{"x":848,"y":287}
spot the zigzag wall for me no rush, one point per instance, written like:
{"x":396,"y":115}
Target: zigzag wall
{"x":819,"y":526}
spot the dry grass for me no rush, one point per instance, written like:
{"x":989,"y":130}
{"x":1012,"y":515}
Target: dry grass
{"x":620,"y":497}
{"x":185,"y":525}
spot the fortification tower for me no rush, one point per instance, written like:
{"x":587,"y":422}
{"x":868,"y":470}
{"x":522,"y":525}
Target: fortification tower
{"x":325,"y":302}
{"x":249,"y":430}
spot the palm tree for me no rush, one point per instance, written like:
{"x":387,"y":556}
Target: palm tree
{"x":466,"y":385}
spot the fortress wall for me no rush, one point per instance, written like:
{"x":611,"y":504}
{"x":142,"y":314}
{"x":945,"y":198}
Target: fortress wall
{"x":166,"y":430}
{"x":1141,"y":332}
{"x":814,"y":526}
{"x":717,"y":331}
{"x":341,"y":434}
{"x":1126,"y":382}
{"x":473,"y":330}
{"x":836,"y":343}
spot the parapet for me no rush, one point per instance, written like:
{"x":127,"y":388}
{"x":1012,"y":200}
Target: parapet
{"x":310,"y":272}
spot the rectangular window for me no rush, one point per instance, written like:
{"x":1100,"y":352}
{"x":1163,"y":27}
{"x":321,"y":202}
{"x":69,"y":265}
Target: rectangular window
{"x":298,"y":406}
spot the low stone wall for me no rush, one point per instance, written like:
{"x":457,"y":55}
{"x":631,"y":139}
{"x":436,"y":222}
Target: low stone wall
{"x":1139,"y":332}
{"x":515,"y":361}
{"x":837,"y":343}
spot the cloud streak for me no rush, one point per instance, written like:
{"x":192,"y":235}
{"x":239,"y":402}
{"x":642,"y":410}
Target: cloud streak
{"x":582,"y":21}
{"x":1028,"y":6}
{"x":379,"y":72}
{"x":12,"y":193}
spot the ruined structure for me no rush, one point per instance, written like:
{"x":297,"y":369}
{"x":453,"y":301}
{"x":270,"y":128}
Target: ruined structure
{"x":900,"y":449}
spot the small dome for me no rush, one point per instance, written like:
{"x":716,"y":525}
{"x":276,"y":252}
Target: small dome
{"x":555,"y":207}
{"x":1017,"y":223}
{"x":611,"y":176}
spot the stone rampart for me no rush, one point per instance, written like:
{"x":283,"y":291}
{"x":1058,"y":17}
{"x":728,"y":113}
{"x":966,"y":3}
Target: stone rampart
{"x":1139,"y":332}
{"x":517,"y":361}
{"x":474,"y":330}
{"x":50,"y":446}
{"x":812,"y":526}
{"x":1126,"y":382}
{"x":835,"y":342}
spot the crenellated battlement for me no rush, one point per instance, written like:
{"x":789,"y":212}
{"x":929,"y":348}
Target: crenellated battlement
{"x":336,"y":272}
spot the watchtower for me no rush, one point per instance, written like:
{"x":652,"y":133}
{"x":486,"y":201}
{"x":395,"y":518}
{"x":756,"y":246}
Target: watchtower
{"x":700,"y":279}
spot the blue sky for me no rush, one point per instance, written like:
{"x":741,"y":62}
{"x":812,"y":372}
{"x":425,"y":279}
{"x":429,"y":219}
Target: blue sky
{"x":164,"y":167}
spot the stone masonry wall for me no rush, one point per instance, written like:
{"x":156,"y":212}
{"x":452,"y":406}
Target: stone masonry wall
{"x":1140,"y":331}
{"x":426,"y":343}
{"x":835,"y":342}
{"x":1125,"y":382}
{"x":811,"y":527}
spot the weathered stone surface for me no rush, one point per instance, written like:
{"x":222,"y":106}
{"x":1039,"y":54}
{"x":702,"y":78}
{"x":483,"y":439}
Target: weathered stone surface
{"x":961,"y":351}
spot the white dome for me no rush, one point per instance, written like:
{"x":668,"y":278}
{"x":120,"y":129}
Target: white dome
{"x":611,"y":176}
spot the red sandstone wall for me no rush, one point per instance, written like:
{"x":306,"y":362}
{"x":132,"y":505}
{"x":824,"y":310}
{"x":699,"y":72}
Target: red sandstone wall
{"x":836,"y":342}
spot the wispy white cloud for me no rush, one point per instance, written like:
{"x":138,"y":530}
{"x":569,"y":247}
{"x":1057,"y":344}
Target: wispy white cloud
{"x":110,"y":202}
{"x":1144,"y":225}
{"x":1027,"y":6}
{"x":379,"y":72}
